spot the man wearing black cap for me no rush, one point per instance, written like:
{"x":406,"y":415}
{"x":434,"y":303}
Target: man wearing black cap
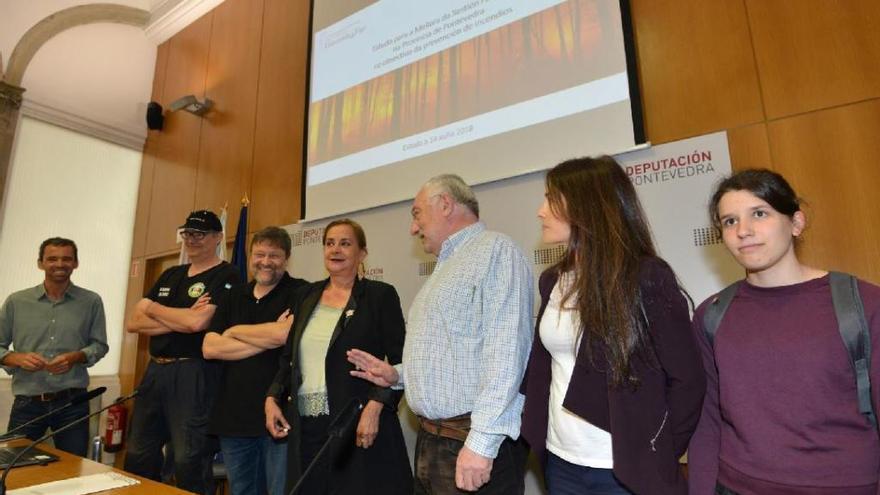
{"x":178,"y":388}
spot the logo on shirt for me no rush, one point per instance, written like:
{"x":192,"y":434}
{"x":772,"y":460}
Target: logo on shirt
{"x":164,"y":291}
{"x":196,"y":290}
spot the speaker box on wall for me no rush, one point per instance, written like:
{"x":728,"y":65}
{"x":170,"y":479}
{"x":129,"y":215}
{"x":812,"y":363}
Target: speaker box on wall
{"x":155,"y":119}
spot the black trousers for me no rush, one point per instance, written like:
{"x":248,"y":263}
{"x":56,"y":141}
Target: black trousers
{"x":173,"y":405}
{"x":435,"y":467}
{"x":313,"y":435}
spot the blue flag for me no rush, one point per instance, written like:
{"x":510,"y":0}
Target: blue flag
{"x":239,"y":248}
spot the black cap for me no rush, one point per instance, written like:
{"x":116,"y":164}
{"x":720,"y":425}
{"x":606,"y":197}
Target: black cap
{"x":203,"y":220}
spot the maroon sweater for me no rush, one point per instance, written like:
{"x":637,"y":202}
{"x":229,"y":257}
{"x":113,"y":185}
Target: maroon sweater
{"x":781,"y":410}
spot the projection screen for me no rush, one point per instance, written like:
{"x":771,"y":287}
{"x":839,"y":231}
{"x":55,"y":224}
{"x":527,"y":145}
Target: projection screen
{"x":402,"y":90}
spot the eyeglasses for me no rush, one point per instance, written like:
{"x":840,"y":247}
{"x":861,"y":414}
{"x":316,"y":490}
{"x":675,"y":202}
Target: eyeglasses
{"x":196,"y":235}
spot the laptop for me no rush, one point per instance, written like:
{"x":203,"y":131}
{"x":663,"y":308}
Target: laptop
{"x":35,"y":456}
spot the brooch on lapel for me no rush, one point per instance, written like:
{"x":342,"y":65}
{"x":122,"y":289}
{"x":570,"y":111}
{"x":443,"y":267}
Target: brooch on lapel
{"x":348,"y":314}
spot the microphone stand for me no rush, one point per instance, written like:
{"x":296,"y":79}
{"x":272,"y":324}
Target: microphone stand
{"x":337,"y":429}
{"x":83,"y":397}
{"x":53,"y":433}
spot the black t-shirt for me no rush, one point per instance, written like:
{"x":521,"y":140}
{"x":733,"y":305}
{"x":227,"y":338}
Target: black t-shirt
{"x":175,"y":289}
{"x":238,"y":410}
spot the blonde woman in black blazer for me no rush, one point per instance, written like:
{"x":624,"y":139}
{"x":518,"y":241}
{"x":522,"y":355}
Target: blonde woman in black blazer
{"x":373,"y":458}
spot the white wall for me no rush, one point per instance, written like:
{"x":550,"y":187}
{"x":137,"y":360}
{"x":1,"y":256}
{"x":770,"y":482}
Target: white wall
{"x":69,"y":185}
{"x":100,"y":72}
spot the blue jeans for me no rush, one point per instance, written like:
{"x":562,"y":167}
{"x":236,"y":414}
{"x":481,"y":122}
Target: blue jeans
{"x":74,"y":440}
{"x":565,"y":478}
{"x":255,"y":465}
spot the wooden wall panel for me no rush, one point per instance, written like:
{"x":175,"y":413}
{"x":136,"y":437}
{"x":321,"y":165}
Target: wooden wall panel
{"x":128,"y":362}
{"x":696,"y":67}
{"x":749,"y":147}
{"x":145,"y":186}
{"x":278,"y":145}
{"x":174,"y":178}
{"x":144,"y":201}
{"x":227,"y":141}
{"x":814,"y":54}
{"x":830,"y":158}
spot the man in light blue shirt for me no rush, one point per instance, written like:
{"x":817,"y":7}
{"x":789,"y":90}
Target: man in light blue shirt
{"x":468,"y":337}
{"x":49,"y":335}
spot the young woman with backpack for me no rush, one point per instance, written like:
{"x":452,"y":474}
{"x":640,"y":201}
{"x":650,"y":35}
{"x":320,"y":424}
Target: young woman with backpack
{"x":782,"y":412}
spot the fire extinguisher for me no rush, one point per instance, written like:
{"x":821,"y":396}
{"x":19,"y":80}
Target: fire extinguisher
{"x":115,"y":432}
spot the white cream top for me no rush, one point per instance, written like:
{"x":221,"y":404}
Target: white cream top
{"x":312,"y":395}
{"x":569,"y":436}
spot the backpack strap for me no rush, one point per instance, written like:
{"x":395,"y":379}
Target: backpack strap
{"x":854,"y":331}
{"x":716,"y":309}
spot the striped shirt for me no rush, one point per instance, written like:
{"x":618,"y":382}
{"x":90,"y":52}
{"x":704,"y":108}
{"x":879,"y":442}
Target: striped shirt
{"x":468,"y":337}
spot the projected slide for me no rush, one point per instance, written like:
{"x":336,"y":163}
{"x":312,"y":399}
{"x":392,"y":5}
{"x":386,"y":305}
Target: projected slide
{"x":404,"y":89}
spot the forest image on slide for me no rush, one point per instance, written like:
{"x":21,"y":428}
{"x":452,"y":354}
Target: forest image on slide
{"x":555,"y":49}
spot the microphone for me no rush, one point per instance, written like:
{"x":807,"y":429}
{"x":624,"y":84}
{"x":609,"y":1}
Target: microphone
{"x":339,"y":428}
{"x":59,"y":430}
{"x":77,"y":399}
{"x":345,"y":421}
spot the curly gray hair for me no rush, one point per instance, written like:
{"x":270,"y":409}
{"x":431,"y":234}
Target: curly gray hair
{"x":455,"y":187}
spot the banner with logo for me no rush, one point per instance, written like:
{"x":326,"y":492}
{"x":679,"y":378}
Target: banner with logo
{"x":674,"y":182}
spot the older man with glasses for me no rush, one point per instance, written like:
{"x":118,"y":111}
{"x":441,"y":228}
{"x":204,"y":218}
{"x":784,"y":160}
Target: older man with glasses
{"x":468,"y":338}
{"x":179,"y":386}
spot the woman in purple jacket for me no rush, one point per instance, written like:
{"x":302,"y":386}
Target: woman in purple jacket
{"x":614,"y":383}
{"x":781,"y":413}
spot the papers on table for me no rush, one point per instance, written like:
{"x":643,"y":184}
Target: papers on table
{"x":81,"y":485}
